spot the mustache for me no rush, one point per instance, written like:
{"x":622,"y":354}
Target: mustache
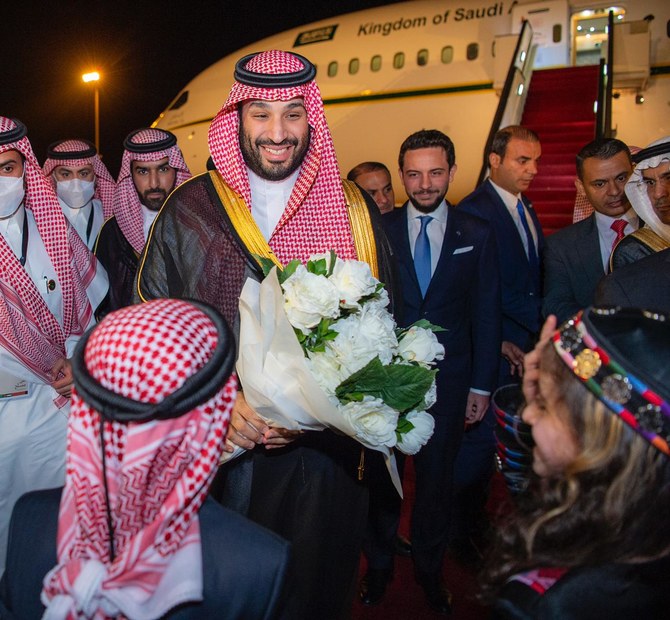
{"x":285,"y":142}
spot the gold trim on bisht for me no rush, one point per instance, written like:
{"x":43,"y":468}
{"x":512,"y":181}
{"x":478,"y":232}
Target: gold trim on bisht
{"x":361,"y":226}
{"x":241,"y":219}
{"x":650,"y":238}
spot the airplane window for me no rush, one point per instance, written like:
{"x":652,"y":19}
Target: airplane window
{"x":332,"y":69}
{"x":179,"y":101}
{"x":399,"y":60}
{"x":472,"y":51}
{"x":447,"y":54}
{"x":354,"y":65}
{"x":422,"y":58}
{"x":556,"y":33}
{"x":376,"y":63}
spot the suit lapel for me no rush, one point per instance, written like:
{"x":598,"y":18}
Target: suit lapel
{"x":590,"y":262}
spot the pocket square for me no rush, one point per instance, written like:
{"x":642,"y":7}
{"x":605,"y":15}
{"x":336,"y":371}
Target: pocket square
{"x":467,"y":248}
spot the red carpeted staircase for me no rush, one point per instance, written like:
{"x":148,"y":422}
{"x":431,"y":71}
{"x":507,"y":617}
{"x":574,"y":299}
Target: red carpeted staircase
{"x":560,"y":109}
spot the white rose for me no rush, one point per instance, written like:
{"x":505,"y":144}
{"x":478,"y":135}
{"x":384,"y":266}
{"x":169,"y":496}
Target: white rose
{"x":326,"y":370}
{"x":421,"y":346}
{"x":379,"y":302}
{"x":412,"y":441}
{"x":308,"y":298}
{"x":373,"y":420}
{"x":353,"y":280}
{"x":361,"y":337}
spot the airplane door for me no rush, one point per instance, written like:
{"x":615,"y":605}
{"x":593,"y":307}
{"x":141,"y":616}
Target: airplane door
{"x":551,"y":30}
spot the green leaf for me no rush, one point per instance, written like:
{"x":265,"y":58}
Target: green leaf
{"x":318,"y":267}
{"x":266,"y":265}
{"x":333,"y":258}
{"x":288,"y":271}
{"x":427,"y":325}
{"x":400,"y":386}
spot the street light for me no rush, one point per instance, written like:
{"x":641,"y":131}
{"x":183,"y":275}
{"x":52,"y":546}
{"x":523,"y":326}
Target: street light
{"x":94,"y":76}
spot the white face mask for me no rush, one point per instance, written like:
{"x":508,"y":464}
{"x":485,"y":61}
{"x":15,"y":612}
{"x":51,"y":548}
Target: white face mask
{"x":11,"y":195}
{"x":75,"y":193}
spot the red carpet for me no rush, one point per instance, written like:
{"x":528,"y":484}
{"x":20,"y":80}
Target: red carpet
{"x":560,"y":110}
{"x":404,"y":598}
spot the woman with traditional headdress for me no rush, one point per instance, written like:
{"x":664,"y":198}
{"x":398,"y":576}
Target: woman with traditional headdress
{"x":590,"y":538}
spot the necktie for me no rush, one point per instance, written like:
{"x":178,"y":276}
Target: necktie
{"x":618,"y":227}
{"x":532,"y":252}
{"x":422,"y":255}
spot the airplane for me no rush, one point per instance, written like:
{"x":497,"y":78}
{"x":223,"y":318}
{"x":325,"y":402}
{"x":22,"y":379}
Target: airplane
{"x":386,"y":72}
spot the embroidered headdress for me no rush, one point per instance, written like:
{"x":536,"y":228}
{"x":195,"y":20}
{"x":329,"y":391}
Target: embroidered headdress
{"x":621,"y":356}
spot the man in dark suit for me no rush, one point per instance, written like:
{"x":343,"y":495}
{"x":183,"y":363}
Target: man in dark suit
{"x":513,"y":161}
{"x":577,"y":257}
{"x":514,"y":156}
{"x":642,"y":284}
{"x":449,"y":276}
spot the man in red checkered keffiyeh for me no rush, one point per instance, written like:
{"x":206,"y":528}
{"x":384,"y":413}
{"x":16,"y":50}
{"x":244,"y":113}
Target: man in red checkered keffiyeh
{"x":84,"y":186}
{"x":151,"y":403}
{"x":152,"y":166}
{"x":275,"y":191}
{"x":50,"y":285}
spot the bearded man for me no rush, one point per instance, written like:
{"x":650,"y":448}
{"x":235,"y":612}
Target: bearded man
{"x":648,"y":190}
{"x":152,"y":166}
{"x":276,"y":192}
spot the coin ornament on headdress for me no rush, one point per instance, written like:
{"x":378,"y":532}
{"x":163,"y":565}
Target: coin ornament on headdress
{"x":619,"y":356}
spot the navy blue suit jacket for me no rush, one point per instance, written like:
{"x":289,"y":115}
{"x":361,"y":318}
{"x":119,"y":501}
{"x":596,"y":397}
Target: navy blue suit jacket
{"x":521,"y":301}
{"x":463,"y":297}
{"x":572,"y":269}
{"x":244,"y":565}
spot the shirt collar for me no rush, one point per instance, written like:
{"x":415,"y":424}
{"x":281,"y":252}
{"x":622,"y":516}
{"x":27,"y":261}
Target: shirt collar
{"x":508,"y":198}
{"x":440,"y":214}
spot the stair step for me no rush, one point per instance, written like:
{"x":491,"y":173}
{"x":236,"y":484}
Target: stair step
{"x":545,"y":181}
{"x":561,"y":169}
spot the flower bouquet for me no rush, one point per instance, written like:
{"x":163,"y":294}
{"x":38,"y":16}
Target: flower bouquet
{"x":319,"y":349}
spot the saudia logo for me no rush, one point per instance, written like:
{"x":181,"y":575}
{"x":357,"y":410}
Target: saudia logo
{"x":315,"y":36}
{"x":457,"y":15}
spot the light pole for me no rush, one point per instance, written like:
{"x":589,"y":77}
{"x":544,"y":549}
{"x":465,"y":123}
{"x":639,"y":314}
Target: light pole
{"x":94,"y":76}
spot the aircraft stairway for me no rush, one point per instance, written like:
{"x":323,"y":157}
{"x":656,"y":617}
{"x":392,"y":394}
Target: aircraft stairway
{"x":560,"y":108}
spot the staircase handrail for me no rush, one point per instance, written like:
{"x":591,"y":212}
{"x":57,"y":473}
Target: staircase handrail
{"x":606,"y":85}
{"x":524,"y":67}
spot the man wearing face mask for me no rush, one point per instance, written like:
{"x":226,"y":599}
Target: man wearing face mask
{"x":84,"y":186}
{"x":152,"y":166}
{"x":50,"y":285}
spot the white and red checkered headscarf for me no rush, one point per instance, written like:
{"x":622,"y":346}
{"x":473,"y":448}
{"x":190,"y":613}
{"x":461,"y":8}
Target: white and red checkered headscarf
{"x":127,"y":209}
{"x":28,"y":329}
{"x":315,"y":219}
{"x":104,"y":183}
{"x":158,"y":472}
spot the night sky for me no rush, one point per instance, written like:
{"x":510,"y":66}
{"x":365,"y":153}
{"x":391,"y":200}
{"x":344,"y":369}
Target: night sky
{"x":145,"y":50}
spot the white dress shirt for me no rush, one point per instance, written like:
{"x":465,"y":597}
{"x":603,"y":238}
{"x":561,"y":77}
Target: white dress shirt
{"x":269,"y":200}
{"x":148,"y":217}
{"x":511,"y":201}
{"x":435,"y":230}
{"x":607,"y":236}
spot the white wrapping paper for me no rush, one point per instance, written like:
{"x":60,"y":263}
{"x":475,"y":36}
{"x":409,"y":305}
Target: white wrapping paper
{"x":271,"y":367}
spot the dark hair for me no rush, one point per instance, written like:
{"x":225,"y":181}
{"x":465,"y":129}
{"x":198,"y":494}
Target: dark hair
{"x":612,"y":503}
{"x":428,"y":138}
{"x":602,"y":148}
{"x":503,"y":136}
{"x":364,"y":168}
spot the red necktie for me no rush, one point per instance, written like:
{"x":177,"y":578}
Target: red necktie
{"x":618,"y":226}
